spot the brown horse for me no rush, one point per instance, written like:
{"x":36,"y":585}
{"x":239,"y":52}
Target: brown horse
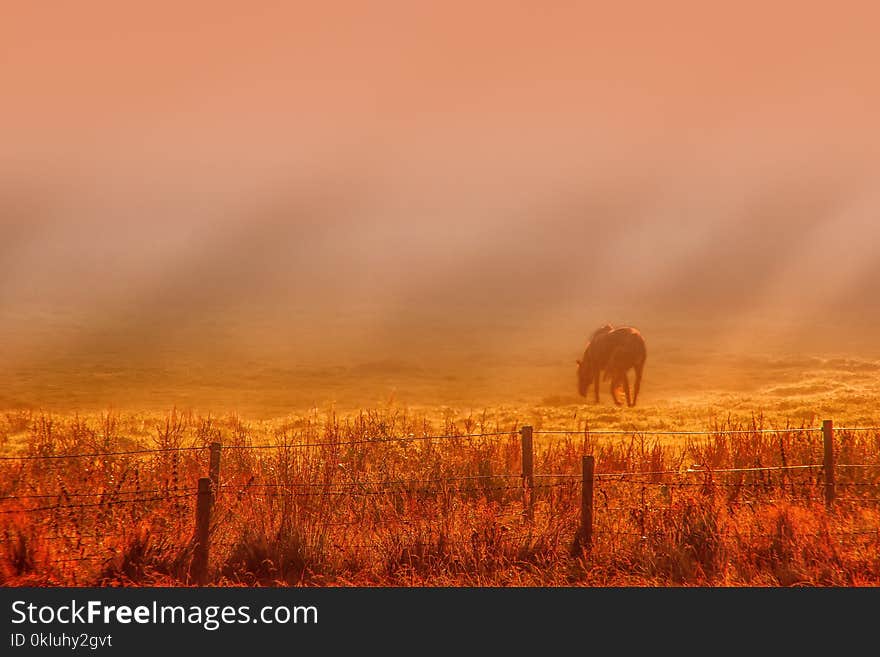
{"x":614,"y":351}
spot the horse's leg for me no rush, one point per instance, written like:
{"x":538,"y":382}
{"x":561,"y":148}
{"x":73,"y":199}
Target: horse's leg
{"x":615,"y":380}
{"x":626,"y":388}
{"x":596,"y":374}
{"x":638,"y":384}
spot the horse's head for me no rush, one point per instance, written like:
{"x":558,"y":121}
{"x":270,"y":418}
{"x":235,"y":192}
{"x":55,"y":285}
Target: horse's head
{"x":584,"y":373}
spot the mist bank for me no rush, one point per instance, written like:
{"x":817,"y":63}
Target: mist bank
{"x":341,"y":272}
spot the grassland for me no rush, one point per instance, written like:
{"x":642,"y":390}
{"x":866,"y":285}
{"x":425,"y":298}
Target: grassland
{"x":313,"y":493}
{"x":327,"y":499}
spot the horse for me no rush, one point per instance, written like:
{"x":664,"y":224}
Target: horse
{"x":614,"y":351}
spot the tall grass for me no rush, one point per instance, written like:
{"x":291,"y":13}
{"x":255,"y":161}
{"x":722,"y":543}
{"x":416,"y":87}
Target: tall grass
{"x":340,"y":501}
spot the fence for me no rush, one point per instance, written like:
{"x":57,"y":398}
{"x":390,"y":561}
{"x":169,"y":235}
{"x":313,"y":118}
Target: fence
{"x":208,"y":488}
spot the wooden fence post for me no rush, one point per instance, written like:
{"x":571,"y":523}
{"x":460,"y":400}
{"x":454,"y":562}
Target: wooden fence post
{"x":828,"y":438}
{"x":199,"y":568}
{"x":528,"y":471}
{"x":214,"y":466}
{"x":584,"y":539}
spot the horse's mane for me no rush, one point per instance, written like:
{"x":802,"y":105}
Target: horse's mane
{"x":602,"y":330}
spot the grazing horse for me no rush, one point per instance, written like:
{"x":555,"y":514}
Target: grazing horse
{"x":594,"y":361}
{"x":614,"y":351}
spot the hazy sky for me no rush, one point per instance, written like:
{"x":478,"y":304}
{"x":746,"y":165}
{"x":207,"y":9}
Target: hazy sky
{"x":375,"y":166}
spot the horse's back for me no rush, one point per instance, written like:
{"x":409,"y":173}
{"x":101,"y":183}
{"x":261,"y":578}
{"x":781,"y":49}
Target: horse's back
{"x":629,"y":341}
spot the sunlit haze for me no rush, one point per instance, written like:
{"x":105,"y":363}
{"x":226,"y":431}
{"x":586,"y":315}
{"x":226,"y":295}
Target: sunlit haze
{"x":272,"y":205}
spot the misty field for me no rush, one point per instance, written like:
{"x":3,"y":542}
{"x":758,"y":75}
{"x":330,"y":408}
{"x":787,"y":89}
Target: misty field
{"x":397,"y":496}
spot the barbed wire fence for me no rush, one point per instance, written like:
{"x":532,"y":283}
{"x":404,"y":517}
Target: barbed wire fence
{"x":592,"y":487}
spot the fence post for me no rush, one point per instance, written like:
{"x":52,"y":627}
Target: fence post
{"x":199,"y":568}
{"x":528,"y":471}
{"x":828,"y":437}
{"x":214,"y":466}
{"x":584,"y":539}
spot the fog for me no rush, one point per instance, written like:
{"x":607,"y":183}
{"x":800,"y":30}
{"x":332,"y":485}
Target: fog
{"x":224,"y":190}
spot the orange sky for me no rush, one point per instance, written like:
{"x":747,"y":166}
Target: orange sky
{"x":266,"y":159}
{"x":184,"y":73}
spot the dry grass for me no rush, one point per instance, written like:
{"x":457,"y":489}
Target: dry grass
{"x":356,"y":509}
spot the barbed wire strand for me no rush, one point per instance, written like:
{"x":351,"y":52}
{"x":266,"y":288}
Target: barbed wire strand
{"x":47,"y":457}
{"x":412,"y":437}
{"x":108,"y":494}
{"x":363,"y":493}
{"x":651,"y":432}
{"x":369,"y":441}
{"x":66,"y":507}
{"x":393,"y":482}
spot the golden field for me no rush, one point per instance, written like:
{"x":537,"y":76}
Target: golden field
{"x":336,"y":496}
